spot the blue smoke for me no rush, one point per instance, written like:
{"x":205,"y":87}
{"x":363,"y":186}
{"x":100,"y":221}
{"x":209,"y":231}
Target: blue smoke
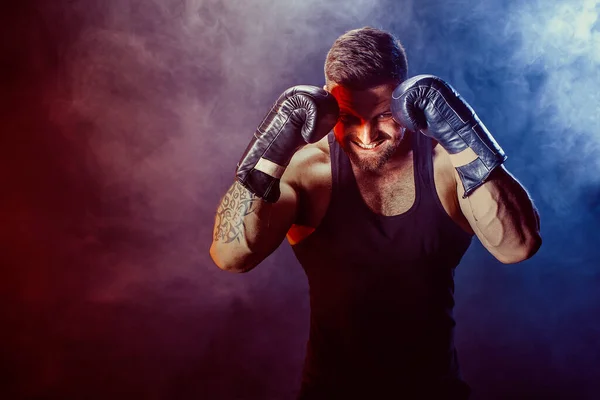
{"x":531,"y":72}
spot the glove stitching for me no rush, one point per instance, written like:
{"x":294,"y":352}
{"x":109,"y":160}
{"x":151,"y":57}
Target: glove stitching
{"x":493,"y":151}
{"x":446,"y":101}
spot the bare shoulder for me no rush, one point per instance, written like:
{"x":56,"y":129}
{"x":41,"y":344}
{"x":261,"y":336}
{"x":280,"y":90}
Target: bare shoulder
{"x":441,"y":160}
{"x":310,"y":166}
{"x":309,"y":173}
{"x":446,"y":180}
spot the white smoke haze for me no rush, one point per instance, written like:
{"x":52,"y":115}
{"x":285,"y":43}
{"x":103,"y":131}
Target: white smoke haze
{"x":563,"y":39}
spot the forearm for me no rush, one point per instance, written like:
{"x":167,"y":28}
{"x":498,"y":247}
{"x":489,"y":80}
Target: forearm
{"x":497,"y":207}
{"x":247,"y":228}
{"x":503,"y":216}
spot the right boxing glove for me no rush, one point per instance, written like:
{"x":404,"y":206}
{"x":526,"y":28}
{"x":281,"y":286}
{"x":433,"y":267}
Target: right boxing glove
{"x":302,"y":114}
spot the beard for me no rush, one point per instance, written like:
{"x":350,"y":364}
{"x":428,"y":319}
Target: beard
{"x":372,"y":162}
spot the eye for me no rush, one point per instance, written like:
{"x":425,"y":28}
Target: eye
{"x":385,"y":116}
{"x":348,"y":119}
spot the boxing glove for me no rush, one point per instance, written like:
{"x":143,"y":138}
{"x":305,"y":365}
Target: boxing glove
{"x":428,"y":104}
{"x":302,"y":114}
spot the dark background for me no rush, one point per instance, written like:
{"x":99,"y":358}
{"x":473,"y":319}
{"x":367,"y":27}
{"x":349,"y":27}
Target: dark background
{"x":122,"y":122}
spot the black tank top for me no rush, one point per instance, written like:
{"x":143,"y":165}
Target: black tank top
{"x":381,"y":289}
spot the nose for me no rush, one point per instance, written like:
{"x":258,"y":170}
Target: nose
{"x":367,"y":132}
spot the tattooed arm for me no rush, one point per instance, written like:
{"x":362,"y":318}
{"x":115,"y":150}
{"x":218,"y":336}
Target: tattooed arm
{"x":248,"y":229}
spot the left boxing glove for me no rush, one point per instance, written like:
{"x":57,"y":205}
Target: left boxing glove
{"x":428,"y":104}
{"x":302,"y":114}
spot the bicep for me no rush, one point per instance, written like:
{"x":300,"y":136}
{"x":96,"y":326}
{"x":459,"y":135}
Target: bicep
{"x":467,"y":210}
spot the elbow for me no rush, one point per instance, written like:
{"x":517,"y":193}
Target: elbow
{"x":227,"y":261}
{"x":523,"y":252}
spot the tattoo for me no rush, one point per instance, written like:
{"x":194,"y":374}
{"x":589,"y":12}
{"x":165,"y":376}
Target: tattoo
{"x":236,"y":204}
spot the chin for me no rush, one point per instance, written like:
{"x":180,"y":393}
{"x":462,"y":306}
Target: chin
{"x":369,"y":166}
{"x":371,"y":163}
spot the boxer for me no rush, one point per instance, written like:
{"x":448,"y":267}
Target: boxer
{"x":379,"y":182}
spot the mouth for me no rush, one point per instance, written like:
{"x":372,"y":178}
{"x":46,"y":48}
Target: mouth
{"x":370,"y":146}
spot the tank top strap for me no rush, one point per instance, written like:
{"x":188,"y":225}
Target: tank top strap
{"x":424,"y":154}
{"x":344,"y":187}
{"x":334,"y":150}
{"x":430,"y":198}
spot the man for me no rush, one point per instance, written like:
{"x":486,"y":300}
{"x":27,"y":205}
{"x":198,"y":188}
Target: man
{"x":379,"y":213}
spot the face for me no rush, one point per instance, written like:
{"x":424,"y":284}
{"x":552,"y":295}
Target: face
{"x":366,"y":129}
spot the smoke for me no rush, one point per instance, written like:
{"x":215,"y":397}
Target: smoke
{"x":123,"y":121}
{"x":169,"y":91}
{"x":560,"y":40}
{"x":128,"y":118}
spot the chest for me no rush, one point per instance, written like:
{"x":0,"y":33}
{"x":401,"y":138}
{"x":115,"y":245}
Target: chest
{"x":388,"y":195}
{"x":392,"y":196}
